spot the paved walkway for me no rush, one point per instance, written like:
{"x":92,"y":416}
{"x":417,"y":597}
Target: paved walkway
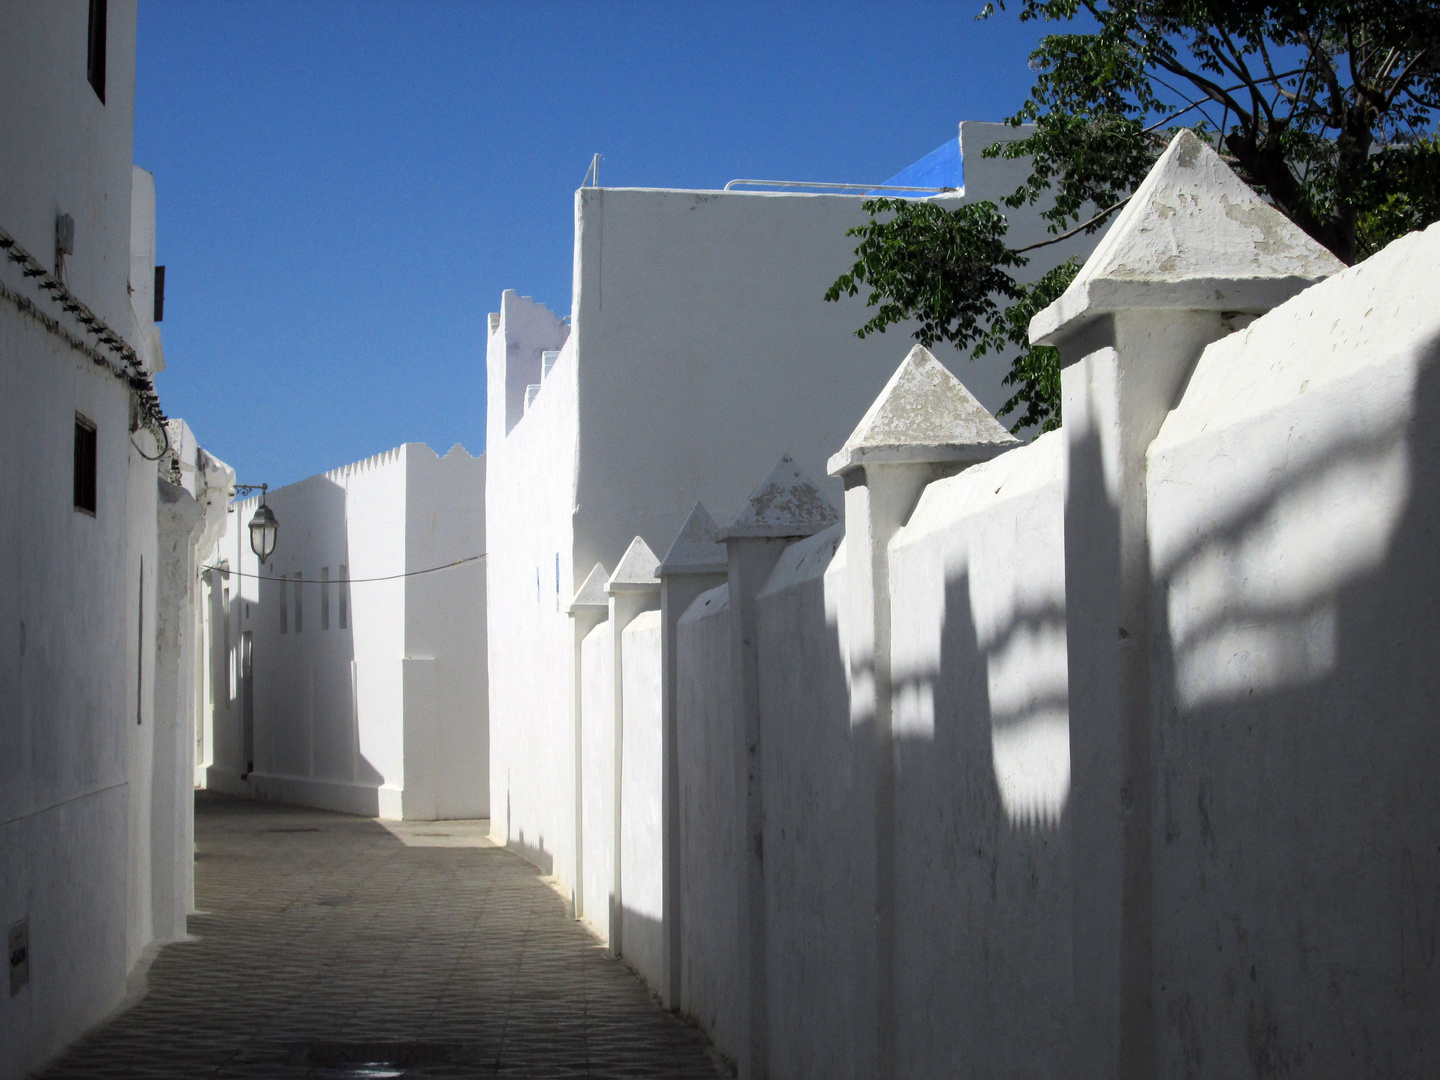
{"x":335,"y":946}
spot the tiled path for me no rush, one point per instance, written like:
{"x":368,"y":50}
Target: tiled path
{"x":334,"y":946}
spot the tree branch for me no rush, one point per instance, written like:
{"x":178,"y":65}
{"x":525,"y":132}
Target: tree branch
{"x":1101,"y":216}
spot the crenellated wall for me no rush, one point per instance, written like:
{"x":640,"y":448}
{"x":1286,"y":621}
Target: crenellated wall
{"x":338,"y":680}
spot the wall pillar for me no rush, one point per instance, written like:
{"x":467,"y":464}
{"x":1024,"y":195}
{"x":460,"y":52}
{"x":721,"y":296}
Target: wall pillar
{"x":787,"y":506}
{"x":1193,"y":256}
{"x":633,"y":588}
{"x":589,"y":608}
{"x":925,"y":424}
{"x":695,"y":564}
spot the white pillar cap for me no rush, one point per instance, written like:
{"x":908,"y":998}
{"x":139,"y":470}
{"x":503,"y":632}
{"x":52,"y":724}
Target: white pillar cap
{"x":638,"y":570}
{"x":591,"y":595}
{"x":697,"y":548}
{"x":1194,"y":237}
{"x":786,"y":504}
{"x":924,"y":414}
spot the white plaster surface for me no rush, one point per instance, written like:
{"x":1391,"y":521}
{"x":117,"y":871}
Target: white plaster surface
{"x":97,"y":612}
{"x":597,"y":747}
{"x":982,"y":872}
{"x":641,"y":836}
{"x":696,"y":548}
{"x":711,"y":829}
{"x":699,"y":350}
{"x":386,"y":714}
{"x":819,"y":837}
{"x":924,"y":414}
{"x":1292,"y":519}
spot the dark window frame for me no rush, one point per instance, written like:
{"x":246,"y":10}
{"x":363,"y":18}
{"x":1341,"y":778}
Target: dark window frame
{"x":95,"y":47}
{"x":87,"y":460}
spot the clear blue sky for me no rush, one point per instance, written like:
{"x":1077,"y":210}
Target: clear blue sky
{"x":346,"y":188}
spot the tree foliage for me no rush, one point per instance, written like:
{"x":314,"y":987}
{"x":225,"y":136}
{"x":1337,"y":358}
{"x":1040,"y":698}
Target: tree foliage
{"x":1326,"y":107}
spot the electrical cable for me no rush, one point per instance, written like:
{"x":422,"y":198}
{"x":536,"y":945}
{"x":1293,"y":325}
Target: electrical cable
{"x":163,"y":430}
{"x":347,"y":581}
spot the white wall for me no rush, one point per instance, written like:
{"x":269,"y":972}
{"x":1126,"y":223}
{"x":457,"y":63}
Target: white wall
{"x":819,"y":822}
{"x":701,"y":350}
{"x":530,"y":504}
{"x":982,"y":878}
{"x":92,"y":815}
{"x":1277,"y":801}
{"x":357,"y":717}
{"x":597,"y":740}
{"x":642,"y":840}
{"x":711,"y":828}
{"x":1292,"y":498}
{"x":445,"y":628}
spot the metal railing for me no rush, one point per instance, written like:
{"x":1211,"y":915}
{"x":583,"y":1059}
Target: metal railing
{"x":844,"y":187}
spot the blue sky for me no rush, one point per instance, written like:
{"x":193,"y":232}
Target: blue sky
{"x":345,"y":189}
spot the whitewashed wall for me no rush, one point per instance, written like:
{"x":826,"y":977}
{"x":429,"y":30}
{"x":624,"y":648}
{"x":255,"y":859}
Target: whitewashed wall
{"x":642,"y":858}
{"x":1292,"y":523}
{"x":530,"y":503}
{"x":382,"y":715}
{"x":94,"y":824}
{"x":1293,"y":517}
{"x":597,"y":741}
{"x":982,"y":876}
{"x":712,"y":832}
{"x":701,"y":350}
{"x":819,"y":822}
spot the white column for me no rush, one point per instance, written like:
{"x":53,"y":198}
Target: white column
{"x":1193,"y":256}
{"x":695,"y":564}
{"x":633,"y":588}
{"x":925,"y":424}
{"x":787,"y":506}
{"x":589,"y":608}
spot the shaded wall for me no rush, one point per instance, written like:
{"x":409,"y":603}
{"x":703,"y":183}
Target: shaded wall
{"x":1293,"y":515}
{"x":1294,"y":861}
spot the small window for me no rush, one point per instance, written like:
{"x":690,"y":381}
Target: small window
{"x":159,"y":294}
{"x":85,"y":465}
{"x":344,"y":596}
{"x":95,"y":64}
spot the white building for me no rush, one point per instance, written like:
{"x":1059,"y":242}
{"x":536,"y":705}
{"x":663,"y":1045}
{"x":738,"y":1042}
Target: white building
{"x":344,"y":671}
{"x":96,"y":610}
{"x":699,"y":349}
{"x":1107,"y":754}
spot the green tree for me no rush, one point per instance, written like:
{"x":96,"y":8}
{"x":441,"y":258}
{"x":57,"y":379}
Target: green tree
{"x":1326,"y":107}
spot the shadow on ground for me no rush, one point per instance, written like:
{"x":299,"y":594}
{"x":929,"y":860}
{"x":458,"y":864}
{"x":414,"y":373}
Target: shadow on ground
{"x":334,"y":946}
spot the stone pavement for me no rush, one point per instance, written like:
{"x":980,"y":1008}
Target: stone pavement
{"x":335,"y":946}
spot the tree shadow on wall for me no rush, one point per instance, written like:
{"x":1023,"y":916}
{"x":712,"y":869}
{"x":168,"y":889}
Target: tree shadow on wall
{"x":1296,"y":838}
{"x":982,"y":884}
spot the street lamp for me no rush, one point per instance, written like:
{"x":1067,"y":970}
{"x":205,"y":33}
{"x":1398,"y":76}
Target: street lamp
{"x":263,"y":526}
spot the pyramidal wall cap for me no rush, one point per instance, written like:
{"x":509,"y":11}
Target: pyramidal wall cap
{"x":1193,"y":237}
{"x":697,"y":548}
{"x":924,"y":414}
{"x":592,"y":594}
{"x":787,"y":503}
{"x":638,"y":569}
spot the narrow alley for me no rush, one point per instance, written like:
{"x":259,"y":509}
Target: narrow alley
{"x":336,"y":946}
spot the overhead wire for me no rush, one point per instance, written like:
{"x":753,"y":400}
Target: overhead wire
{"x":346,"y":581}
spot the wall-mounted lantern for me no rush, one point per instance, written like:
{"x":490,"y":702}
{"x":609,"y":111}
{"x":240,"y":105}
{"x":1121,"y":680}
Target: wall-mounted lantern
{"x":263,"y":526}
